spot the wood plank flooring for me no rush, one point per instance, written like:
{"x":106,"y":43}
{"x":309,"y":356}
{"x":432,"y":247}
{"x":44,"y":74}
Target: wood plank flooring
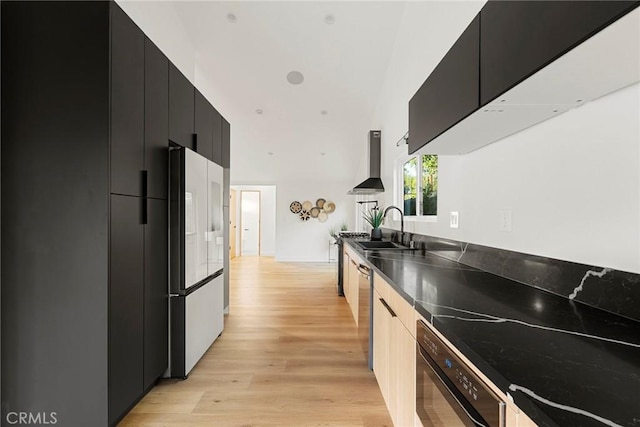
{"x":289,"y":356}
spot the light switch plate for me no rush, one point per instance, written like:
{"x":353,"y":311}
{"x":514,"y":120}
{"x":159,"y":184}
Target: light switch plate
{"x":454,"y":219}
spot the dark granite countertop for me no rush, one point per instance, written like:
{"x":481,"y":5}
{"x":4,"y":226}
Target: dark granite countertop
{"x":563,"y":363}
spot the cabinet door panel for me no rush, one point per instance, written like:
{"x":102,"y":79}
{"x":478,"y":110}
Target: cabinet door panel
{"x":520,"y":37}
{"x":181,"y":108}
{"x":381,"y":325}
{"x":156,"y":298}
{"x":406,"y":393}
{"x":203,"y":126}
{"x":127,"y":104}
{"x":156,"y":120}
{"x":125,"y":304}
{"x":217,"y":139}
{"x":226,"y":144}
{"x":450,"y":93}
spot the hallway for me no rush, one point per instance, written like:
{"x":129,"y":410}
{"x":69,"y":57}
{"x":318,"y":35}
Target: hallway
{"x":288,"y":356}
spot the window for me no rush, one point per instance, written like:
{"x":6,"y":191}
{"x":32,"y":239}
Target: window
{"x":410,"y":179}
{"x":420,"y":185}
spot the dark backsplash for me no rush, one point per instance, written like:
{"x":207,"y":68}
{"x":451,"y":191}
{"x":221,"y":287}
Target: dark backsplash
{"x":611,"y":290}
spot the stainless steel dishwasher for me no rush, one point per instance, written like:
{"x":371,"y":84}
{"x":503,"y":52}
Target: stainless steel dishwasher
{"x":365,"y":290}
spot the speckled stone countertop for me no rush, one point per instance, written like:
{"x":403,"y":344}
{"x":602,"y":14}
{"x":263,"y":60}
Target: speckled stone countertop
{"x":564,"y":363}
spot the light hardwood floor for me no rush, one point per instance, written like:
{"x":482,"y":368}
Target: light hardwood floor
{"x":288,"y":356}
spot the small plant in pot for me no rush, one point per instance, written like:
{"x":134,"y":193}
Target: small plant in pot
{"x":375,"y":217}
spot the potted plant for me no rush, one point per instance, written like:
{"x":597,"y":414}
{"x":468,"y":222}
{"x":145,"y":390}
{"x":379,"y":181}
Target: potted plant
{"x":374,"y":217}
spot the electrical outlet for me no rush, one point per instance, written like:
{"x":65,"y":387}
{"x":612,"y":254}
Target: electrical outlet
{"x":454,"y":220}
{"x":505,"y":220}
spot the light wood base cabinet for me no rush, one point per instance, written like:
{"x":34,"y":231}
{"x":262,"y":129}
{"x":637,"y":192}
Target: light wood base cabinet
{"x":393,"y":354}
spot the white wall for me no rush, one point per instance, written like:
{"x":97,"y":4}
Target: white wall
{"x":267,"y":217}
{"x":308,"y":241}
{"x":572,"y":182}
{"x":160,"y":22}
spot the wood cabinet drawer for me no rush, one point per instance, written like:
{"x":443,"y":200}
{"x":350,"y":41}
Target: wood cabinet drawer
{"x":396,"y":302}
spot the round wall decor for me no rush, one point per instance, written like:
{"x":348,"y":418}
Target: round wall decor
{"x":295,"y":207}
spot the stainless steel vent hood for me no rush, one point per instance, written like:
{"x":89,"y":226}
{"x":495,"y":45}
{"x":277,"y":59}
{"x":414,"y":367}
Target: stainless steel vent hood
{"x":373,"y":184}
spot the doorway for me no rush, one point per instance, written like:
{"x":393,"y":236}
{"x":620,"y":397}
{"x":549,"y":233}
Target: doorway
{"x":233,"y":227}
{"x":249,"y":223}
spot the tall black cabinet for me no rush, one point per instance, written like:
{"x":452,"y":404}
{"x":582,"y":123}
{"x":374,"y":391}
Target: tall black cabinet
{"x":85,"y":131}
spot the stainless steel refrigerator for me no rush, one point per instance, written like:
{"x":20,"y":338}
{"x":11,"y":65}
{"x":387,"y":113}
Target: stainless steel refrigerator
{"x":196,"y":258}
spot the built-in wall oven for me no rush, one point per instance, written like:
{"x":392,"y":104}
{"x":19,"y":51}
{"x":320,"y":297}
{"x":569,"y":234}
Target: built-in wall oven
{"x":448,"y":393}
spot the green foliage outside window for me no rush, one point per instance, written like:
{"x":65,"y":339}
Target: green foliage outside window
{"x":410,"y":178}
{"x":423,"y":181}
{"x":429,"y":184}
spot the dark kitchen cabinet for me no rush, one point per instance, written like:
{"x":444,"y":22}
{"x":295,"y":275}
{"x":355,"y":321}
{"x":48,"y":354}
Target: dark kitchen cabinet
{"x":83,"y":278}
{"x":84,"y":250}
{"x":156,"y":120}
{"x":55,"y":205}
{"x":518,"y":38}
{"x":181,"y":108}
{"x":203,"y":126}
{"x":450,"y":93}
{"x":127,"y":104}
{"x":126,"y":326}
{"x":156,"y":315}
{"x":217,"y":139}
{"x":226,"y":144}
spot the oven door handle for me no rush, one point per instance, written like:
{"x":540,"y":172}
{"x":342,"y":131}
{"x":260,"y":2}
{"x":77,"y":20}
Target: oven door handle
{"x":462,"y":405}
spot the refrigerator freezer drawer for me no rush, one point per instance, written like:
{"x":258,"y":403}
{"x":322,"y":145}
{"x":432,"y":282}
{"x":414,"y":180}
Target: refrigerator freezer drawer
{"x":196,"y":321}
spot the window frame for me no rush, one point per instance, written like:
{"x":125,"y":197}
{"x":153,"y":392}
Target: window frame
{"x":399,"y":187}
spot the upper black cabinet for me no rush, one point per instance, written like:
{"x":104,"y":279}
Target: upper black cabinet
{"x":181,"y":108}
{"x":127,"y":104}
{"x":203,"y":126}
{"x":217,"y":139}
{"x":450,"y":93}
{"x":226,"y":143}
{"x":519,"y":38}
{"x":156,"y":120}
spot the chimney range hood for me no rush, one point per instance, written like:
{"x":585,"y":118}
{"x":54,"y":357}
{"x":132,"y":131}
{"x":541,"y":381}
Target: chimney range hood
{"x":373,"y":184}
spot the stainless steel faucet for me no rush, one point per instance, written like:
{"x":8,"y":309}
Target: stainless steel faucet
{"x":386,"y":211}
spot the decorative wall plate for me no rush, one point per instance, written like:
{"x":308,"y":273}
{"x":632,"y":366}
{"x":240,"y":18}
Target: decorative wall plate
{"x":322,"y":216}
{"x":307,"y":205}
{"x":295,"y":207}
{"x":304,"y":215}
{"x":314,"y":212}
{"x":320,"y":203}
{"x":329,"y":207}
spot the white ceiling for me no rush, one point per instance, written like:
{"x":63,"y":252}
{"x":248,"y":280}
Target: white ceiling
{"x":344,"y":65}
{"x":245,"y":64}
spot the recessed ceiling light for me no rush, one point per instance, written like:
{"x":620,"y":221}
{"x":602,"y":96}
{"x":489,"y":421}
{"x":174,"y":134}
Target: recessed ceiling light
{"x":259,"y":111}
{"x":323,"y":154}
{"x":270,"y":153}
{"x":324,"y":112}
{"x":330,"y":19}
{"x":232,"y":18}
{"x":295,"y":77}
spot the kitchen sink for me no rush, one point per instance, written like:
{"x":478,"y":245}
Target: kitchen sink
{"x":380,"y":244}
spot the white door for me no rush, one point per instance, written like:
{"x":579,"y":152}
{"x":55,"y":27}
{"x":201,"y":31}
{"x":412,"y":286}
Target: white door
{"x":249,"y":223}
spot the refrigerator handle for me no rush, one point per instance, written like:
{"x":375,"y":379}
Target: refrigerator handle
{"x":195,"y":142}
{"x":145,"y":200}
